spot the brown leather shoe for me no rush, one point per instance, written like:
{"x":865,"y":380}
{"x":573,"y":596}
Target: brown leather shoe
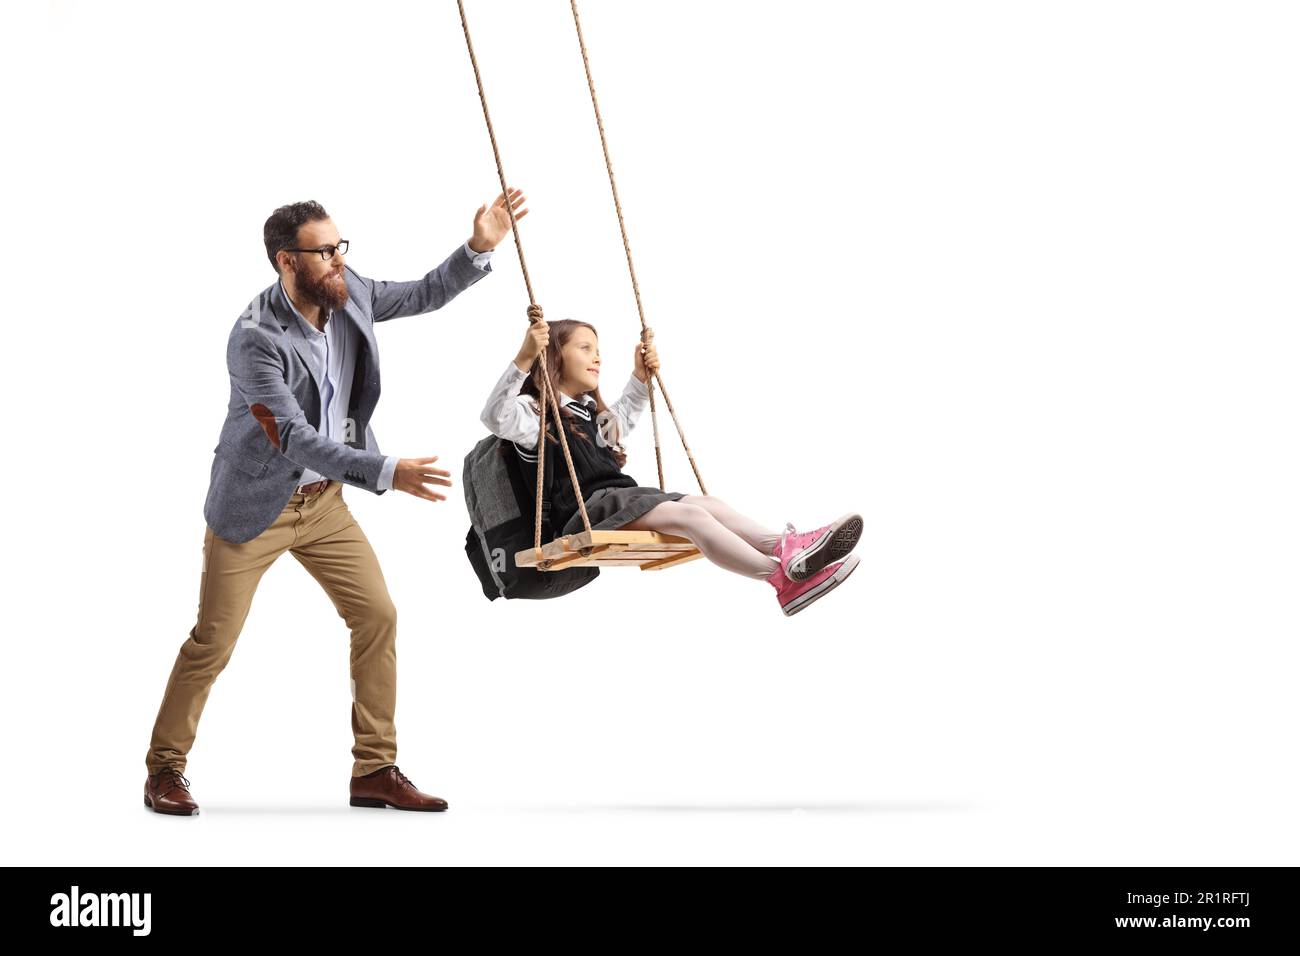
{"x":388,"y":786}
{"x":168,"y":792}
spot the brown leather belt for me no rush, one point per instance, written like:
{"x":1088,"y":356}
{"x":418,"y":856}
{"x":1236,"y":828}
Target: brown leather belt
{"x":314,"y":487}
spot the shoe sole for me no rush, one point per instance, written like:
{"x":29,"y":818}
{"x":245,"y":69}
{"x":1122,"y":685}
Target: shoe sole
{"x":174,"y":813}
{"x":821,"y":590}
{"x":841,"y":538}
{"x":370,"y":802}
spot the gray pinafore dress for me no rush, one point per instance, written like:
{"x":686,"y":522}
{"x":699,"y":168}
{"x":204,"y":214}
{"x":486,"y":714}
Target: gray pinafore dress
{"x":612,"y":498}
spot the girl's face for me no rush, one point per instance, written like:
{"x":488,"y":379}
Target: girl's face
{"x":581,"y":357}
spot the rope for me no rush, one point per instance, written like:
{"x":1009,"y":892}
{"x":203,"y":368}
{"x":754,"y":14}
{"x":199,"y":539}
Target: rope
{"x":646,"y":335}
{"x":534,"y":316}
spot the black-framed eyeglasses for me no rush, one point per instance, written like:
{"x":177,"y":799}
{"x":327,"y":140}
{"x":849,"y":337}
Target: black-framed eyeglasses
{"x":326,"y":252}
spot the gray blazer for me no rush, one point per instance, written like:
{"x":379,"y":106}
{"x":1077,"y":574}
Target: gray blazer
{"x":270,"y":433}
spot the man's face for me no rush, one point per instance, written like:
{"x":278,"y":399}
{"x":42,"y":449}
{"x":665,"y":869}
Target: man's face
{"x":318,"y":281}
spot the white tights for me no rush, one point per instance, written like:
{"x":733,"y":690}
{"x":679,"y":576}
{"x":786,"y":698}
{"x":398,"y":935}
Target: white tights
{"x":723,"y":535}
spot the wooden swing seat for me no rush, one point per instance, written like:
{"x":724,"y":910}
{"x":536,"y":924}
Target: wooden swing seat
{"x":648,"y":550}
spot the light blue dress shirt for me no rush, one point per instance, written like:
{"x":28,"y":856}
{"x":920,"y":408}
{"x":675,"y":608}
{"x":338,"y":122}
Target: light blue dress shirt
{"x":334,"y":356}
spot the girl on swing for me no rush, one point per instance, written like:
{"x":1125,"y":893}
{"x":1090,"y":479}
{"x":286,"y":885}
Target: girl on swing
{"x":801,"y":566}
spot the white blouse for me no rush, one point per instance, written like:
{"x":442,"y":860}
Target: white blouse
{"x":509,"y":415}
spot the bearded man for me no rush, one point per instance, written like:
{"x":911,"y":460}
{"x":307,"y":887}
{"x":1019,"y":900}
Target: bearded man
{"x":304,"y":381}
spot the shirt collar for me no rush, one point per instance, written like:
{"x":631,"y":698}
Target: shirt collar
{"x":565,"y":399}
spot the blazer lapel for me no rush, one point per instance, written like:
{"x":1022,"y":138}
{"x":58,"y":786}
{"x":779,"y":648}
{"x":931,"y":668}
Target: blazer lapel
{"x":365,"y":384}
{"x":365,"y":377}
{"x":289,"y":325}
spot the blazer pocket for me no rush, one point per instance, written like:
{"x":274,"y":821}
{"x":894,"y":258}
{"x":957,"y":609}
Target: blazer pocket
{"x":246,"y":463}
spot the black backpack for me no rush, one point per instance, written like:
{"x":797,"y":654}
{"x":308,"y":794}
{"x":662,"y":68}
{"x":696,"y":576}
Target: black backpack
{"x":502,"y":508}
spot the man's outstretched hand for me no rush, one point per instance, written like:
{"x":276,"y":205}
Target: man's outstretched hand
{"x":411,"y":474}
{"x":491,"y":223}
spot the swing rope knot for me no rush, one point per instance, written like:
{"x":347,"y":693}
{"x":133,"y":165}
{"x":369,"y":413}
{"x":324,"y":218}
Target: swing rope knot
{"x":534,"y":313}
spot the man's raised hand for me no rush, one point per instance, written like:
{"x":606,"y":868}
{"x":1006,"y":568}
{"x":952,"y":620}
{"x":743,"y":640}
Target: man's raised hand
{"x":491,"y":223}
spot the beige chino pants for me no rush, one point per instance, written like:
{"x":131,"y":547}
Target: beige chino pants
{"x":318,"y":530}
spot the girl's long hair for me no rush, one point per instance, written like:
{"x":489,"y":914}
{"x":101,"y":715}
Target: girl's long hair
{"x":561,"y":331}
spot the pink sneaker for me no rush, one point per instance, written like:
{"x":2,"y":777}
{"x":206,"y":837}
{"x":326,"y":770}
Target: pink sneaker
{"x":794,"y":596}
{"x":803,"y":555}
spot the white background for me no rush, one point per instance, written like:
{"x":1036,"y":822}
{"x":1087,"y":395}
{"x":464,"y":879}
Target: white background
{"x":1016,"y":281}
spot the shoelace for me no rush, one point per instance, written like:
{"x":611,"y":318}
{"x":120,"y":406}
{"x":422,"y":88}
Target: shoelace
{"x":176,"y":777}
{"x":403,"y":778}
{"x":789,"y":530}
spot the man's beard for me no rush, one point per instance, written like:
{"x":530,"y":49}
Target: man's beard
{"x":329,"y":292}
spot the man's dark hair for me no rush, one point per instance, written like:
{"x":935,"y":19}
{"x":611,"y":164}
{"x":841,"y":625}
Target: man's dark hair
{"x":281,"y":229}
